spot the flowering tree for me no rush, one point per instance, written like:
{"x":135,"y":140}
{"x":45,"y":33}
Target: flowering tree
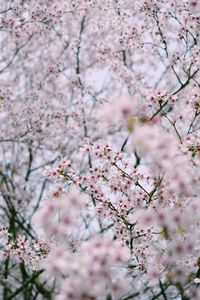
{"x":99,"y":149}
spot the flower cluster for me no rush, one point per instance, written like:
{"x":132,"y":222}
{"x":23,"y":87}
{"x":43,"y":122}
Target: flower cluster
{"x":21,"y":249}
{"x":93,"y":271}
